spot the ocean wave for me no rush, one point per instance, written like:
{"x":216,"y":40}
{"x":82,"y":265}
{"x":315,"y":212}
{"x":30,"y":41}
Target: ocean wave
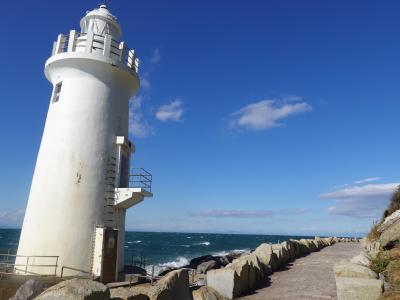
{"x":134,"y":242}
{"x":179,"y":262}
{"x":204,"y":243}
{"x":235,"y":251}
{"x":186,"y":246}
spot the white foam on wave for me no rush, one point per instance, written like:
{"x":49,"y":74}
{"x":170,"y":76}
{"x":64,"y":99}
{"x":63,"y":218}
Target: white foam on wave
{"x":134,"y":242}
{"x":179,"y":262}
{"x":204,"y":243}
{"x":235,"y":251}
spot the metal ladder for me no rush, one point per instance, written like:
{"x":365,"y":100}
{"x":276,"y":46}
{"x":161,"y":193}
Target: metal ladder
{"x":109,"y":199}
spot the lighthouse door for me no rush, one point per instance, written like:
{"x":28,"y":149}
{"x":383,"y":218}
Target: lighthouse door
{"x":109,"y":269}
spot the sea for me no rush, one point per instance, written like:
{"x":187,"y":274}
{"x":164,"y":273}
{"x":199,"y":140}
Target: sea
{"x":161,"y":250}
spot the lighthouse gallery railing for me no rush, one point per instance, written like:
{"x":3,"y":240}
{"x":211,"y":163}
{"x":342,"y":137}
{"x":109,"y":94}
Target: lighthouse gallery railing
{"x":99,"y":44}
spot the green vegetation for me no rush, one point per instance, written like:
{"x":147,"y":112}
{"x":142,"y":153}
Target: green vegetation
{"x":393,"y":205}
{"x":387,"y":262}
{"x":390,"y":296}
{"x":380,"y":262}
{"x":373,"y":235}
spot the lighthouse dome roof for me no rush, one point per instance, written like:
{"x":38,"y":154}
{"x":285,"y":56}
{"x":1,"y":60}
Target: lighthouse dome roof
{"x":101,"y":21}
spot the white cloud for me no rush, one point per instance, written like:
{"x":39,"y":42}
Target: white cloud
{"x":172,"y":111}
{"x":369,"y":179}
{"x":366,"y":201}
{"x":156,"y":58}
{"x":12,"y":218}
{"x":369,"y":190}
{"x":138,"y":126}
{"x":266,"y":114}
{"x":145,"y":81}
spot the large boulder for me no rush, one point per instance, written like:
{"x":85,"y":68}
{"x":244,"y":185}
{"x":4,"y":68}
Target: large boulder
{"x":173,"y":286}
{"x":224,"y":260}
{"x":225,"y":281}
{"x":76,"y":289}
{"x":256,"y":270}
{"x":289,"y":245}
{"x":206,"y":293}
{"x":30,"y":289}
{"x":298,"y":248}
{"x":195,"y":262}
{"x":313,"y":245}
{"x":208,"y":265}
{"x":282,"y":254}
{"x":361,"y":259}
{"x":267,"y":257}
{"x":306,"y":246}
{"x":345,"y":269}
{"x":127,"y":294}
{"x":358,"y":288}
{"x":244,"y":271}
{"x":390,"y":235}
{"x":389,"y":221}
{"x":236,"y":278}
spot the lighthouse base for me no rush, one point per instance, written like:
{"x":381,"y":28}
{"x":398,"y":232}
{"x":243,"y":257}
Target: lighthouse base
{"x":105,"y":254}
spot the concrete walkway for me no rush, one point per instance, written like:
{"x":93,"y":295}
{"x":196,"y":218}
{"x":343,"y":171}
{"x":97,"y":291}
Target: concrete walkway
{"x":309,"y":277}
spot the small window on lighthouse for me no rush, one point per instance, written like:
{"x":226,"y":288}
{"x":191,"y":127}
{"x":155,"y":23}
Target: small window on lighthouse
{"x":57,"y":92}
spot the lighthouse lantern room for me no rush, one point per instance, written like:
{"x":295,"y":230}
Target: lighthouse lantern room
{"x":82,"y":185}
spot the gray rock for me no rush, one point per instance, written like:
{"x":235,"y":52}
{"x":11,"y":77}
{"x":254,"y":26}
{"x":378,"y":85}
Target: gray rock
{"x":123,"y":293}
{"x":206,"y":293}
{"x":227,"y":281}
{"x":195,"y":262}
{"x":267,"y":257}
{"x":358,"y":288}
{"x":30,"y":289}
{"x":389,"y":221}
{"x":352,"y":270}
{"x":391,"y":235}
{"x":208,"y":265}
{"x":361,"y":260}
{"x":173,"y":286}
{"x":76,"y":289}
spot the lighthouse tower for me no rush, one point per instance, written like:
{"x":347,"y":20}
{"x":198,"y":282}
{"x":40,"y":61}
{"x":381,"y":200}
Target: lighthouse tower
{"x":82,"y":186}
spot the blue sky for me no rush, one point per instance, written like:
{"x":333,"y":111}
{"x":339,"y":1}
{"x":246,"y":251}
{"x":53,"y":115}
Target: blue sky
{"x":276,"y":117}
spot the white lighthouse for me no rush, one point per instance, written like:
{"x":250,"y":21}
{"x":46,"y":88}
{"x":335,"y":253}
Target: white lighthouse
{"x":75,"y":217}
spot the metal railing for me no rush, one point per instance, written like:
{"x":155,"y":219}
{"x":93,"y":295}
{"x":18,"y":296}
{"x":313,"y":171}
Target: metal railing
{"x":140,"y":178}
{"x":9,"y":263}
{"x":89,"y":274}
{"x":95,"y":43}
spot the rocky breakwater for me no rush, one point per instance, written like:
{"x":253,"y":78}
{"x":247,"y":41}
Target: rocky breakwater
{"x":221,"y":278}
{"x":246,"y":272}
{"x":375,"y":272}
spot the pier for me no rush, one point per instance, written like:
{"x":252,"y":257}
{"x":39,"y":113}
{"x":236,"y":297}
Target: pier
{"x":309,"y":277}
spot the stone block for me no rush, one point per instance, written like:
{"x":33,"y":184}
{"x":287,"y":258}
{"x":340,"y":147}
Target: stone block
{"x":353,"y":270}
{"x":358,"y":288}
